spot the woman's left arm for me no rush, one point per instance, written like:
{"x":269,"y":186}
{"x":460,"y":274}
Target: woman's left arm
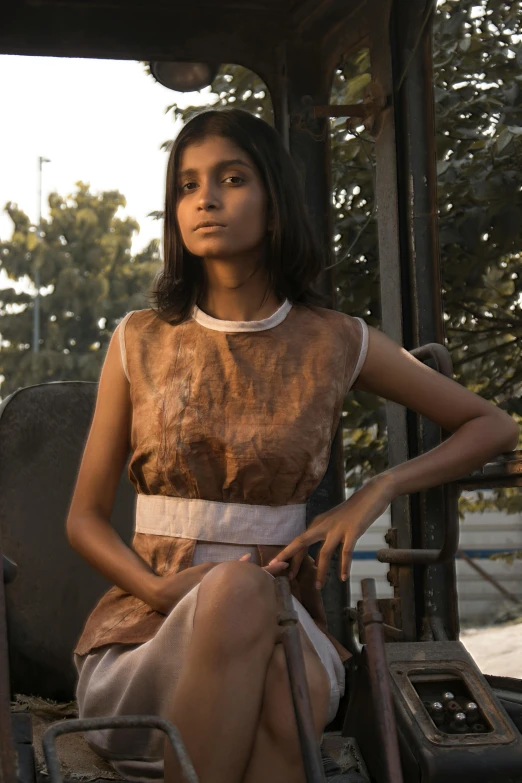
{"x":481,"y":431}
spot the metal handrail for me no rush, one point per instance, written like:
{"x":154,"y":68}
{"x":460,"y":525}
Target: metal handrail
{"x":505,"y":471}
{"x":441,"y":356}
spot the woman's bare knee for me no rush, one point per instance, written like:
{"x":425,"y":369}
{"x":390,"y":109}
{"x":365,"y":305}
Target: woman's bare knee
{"x":236,"y":602}
{"x":240,"y":583}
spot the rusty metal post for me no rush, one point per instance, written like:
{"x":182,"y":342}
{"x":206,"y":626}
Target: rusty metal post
{"x":287,"y":619}
{"x":393,"y":283}
{"x":411,"y":36}
{"x":380,"y":682}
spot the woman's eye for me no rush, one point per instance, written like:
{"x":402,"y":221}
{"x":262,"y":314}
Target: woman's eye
{"x":233,"y":176}
{"x":186,"y":187}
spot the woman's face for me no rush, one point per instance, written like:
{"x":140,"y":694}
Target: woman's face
{"x":219,"y":183}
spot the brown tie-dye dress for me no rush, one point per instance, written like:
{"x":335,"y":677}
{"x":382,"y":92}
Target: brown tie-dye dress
{"x":223,"y":412}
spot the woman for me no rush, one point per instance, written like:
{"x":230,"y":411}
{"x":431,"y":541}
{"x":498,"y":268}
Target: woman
{"x":228,"y":393}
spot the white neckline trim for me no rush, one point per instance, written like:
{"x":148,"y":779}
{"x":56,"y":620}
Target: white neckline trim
{"x":242,"y":326}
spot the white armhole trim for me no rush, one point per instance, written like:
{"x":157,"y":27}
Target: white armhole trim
{"x":362,"y":353}
{"x":123,"y":351}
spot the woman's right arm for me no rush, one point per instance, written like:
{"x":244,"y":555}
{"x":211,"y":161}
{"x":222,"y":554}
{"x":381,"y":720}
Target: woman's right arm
{"x":88,"y":523}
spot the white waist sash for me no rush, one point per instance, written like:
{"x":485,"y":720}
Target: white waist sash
{"x":227,"y":523}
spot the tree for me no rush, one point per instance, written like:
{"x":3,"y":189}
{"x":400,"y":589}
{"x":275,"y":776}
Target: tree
{"x":479,"y":144}
{"x":85,"y":262}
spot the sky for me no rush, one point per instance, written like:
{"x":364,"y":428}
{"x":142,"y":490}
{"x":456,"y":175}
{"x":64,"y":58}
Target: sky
{"x":98,"y":121}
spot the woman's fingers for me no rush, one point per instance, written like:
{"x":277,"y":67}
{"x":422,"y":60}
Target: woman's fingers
{"x":296,"y":562}
{"x":276,"y":568}
{"x":299,"y":545}
{"x":292,"y":556}
{"x":323,"y":559}
{"x":346,"y":559}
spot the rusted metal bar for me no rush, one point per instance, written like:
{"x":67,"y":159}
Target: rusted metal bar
{"x":287,"y":619}
{"x":431,"y":556}
{"x":380,"y":682}
{"x":7,"y":750}
{"x":125,"y":722}
{"x":353,"y":614}
{"x":392,"y":283}
{"x":484,"y":574}
{"x":505,"y":471}
{"x":369,"y":110}
{"x":440,"y":355}
{"x":411,"y":32}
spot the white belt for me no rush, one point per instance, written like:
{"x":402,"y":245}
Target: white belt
{"x":227,"y":523}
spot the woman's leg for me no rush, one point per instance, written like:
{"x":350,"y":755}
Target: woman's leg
{"x":218,"y":700}
{"x":276,"y":755}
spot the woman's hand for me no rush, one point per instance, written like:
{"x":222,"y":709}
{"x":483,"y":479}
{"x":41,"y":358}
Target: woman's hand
{"x":343,"y":524}
{"x":169,"y":589}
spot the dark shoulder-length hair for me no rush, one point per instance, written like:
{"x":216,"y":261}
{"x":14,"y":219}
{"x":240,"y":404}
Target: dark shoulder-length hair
{"x":294,"y":259}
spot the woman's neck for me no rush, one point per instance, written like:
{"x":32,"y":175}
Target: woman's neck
{"x":230,"y":296}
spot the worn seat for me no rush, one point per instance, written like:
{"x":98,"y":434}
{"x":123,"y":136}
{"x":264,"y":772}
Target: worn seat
{"x":43,"y":430}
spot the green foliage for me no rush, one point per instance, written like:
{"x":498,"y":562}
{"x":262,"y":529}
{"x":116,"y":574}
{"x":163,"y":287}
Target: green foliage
{"x":479,"y":118}
{"x":478,"y":97}
{"x":91,"y":280}
{"x":507,"y":557}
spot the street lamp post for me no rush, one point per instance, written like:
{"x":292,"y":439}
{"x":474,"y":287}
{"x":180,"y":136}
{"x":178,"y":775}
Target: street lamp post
{"x":36,"y":310}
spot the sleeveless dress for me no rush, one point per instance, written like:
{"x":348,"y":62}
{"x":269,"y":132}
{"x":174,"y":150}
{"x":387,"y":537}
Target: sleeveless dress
{"x":232,"y":425}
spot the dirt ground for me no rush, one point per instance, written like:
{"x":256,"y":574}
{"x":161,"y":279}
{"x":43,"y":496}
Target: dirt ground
{"x":496,"y":649}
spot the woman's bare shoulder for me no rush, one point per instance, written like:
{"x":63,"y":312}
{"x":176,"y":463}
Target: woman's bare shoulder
{"x":348,"y":327}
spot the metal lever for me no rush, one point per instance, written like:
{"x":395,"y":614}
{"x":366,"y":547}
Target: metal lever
{"x":380,"y":681}
{"x":287,"y":618}
{"x":431,"y":556}
{"x":125,"y":722}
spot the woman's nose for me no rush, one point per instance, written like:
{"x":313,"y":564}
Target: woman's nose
{"x":208,"y":196}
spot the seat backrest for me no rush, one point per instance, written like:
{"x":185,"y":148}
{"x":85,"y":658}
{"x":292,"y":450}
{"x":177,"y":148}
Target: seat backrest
{"x":43,"y":430}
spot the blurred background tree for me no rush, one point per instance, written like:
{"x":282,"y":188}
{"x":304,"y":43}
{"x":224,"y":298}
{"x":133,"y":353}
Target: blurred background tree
{"x":90,"y":280}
